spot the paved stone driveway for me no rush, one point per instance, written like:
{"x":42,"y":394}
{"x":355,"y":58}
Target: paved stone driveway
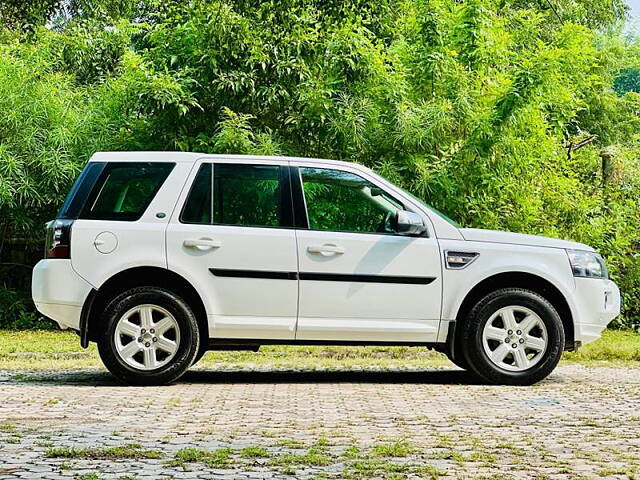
{"x":580,"y":423}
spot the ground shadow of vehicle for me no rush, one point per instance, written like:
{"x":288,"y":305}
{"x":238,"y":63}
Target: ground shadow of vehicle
{"x":442,"y":377}
{"x":98,"y":378}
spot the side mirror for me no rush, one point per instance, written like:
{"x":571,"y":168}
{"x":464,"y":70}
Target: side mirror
{"x":409,"y":223}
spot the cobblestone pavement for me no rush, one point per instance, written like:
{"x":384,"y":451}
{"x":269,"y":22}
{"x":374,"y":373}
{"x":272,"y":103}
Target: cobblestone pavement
{"x":579,"y":423}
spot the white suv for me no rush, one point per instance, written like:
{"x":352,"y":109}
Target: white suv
{"x":161,"y":256}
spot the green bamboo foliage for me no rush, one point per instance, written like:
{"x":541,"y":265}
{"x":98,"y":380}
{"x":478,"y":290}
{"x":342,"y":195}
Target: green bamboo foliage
{"x":469,"y":104}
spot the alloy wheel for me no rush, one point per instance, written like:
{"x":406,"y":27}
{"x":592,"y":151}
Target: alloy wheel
{"x":515,"y":338}
{"x":147,"y":337}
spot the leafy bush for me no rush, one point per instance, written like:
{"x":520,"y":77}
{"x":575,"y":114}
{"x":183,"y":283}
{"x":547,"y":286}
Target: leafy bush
{"x":472,"y":105}
{"x":17,"y":312}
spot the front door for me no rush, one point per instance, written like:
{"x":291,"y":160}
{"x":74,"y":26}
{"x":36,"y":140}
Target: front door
{"x":359,"y":280}
{"x":233,"y":239}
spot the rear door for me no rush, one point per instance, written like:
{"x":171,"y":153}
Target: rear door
{"x":232,"y":236}
{"x":359,"y":280}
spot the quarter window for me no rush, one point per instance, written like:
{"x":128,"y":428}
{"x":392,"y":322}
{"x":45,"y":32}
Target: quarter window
{"x":246,"y":195}
{"x":198,"y":207}
{"x":125,"y":190}
{"x":344,"y":202}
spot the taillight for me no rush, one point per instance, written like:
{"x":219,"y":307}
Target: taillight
{"x":58,"y":243}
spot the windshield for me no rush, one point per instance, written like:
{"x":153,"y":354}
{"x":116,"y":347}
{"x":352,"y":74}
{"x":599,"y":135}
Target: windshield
{"x":424,"y":204}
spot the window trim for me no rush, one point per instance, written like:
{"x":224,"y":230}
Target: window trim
{"x":191,"y":187}
{"x":300,"y":203}
{"x":81,"y":190}
{"x":285,"y":198}
{"x":100,"y":183}
{"x":300,"y":215}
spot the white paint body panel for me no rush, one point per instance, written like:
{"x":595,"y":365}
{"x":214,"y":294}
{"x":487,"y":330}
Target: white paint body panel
{"x":240,"y":307}
{"x":258,"y":308}
{"x":139,"y":243}
{"x":59,"y":292}
{"x":585,"y":296}
{"x":272,"y":309}
{"x":511,"y":238}
{"x":339,"y":310}
{"x":494,"y":258}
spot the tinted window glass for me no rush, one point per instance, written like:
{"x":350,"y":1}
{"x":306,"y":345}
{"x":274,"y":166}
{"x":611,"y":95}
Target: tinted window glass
{"x":344,"y":202}
{"x":247,"y":195}
{"x":198,"y":207}
{"x":80,"y":191}
{"x":125,"y":190}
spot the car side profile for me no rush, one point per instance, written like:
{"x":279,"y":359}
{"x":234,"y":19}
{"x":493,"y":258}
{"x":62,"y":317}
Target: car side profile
{"x":160,"y":256}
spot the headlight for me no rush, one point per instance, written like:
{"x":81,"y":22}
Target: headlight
{"x":587,"y":264}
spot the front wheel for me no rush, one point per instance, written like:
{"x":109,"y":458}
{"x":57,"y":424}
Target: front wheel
{"x":151,"y":336}
{"x":513,"y":336}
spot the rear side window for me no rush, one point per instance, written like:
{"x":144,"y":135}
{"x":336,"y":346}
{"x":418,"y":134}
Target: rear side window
{"x":125,"y":190}
{"x":243,"y":195}
{"x":199,"y":208}
{"x":80,"y":191}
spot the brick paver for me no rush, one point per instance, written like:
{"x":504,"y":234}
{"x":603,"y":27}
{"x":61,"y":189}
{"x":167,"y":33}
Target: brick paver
{"x":579,"y":423}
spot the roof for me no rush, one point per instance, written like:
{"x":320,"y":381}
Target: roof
{"x":190,"y":157}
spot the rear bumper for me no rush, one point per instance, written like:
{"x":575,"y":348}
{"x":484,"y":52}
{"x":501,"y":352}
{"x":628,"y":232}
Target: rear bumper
{"x":597,"y":304}
{"x":59,"y":292}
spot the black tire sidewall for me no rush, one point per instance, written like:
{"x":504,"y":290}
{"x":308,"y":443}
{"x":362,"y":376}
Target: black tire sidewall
{"x":201,"y":353}
{"x":480,"y":314}
{"x":189,"y":336}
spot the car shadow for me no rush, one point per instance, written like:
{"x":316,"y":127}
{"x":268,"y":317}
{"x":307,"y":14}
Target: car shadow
{"x":99,"y":378}
{"x":439,"y":377}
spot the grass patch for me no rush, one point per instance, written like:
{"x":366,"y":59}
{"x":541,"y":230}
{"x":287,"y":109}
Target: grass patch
{"x":290,"y":443}
{"x":351,"y":452}
{"x":220,"y":458}
{"x":483,"y":457}
{"x":87,"y":476}
{"x":395,"y":448}
{"x":374,"y":468}
{"x":313,"y":457}
{"x":58,"y":350}
{"x":129,"y":451}
{"x":377,"y":468}
{"x":8,"y":428}
{"x":53,"y":350}
{"x":254,"y":452}
{"x":618,"y":346}
{"x":453,"y":455}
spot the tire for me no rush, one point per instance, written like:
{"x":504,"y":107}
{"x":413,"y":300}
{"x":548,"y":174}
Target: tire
{"x":199,"y":355}
{"x":527,"y":358}
{"x":154,"y":357}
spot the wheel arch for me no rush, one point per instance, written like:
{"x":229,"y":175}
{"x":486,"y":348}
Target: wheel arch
{"x":136,"y":277}
{"x":526,"y":280}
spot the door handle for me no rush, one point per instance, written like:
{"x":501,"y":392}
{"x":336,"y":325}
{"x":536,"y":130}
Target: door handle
{"x":202,"y":243}
{"x":327,"y":249}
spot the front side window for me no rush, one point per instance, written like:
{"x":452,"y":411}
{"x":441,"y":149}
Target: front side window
{"x":125,"y":190}
{"x":344,"y":202}
{"x":243,"y":195}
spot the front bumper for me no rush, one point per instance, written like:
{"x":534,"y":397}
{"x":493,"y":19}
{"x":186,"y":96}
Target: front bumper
{"x":597,"y":303}
{"x":59,"y":292}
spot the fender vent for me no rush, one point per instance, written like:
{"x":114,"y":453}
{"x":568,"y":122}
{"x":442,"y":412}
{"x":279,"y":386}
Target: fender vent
{"x":459,"y":260}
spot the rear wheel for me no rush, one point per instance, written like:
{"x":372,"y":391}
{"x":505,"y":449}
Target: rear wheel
{"x":151,"y":336}
{"x":513,"y":336}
